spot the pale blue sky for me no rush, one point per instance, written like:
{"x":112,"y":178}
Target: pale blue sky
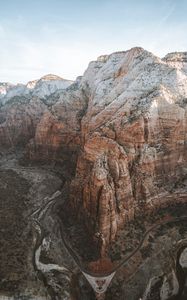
{"x":61,"y":37}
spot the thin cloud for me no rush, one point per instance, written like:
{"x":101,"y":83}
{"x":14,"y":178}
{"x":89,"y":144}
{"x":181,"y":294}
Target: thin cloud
{"x":168,"y":14}
{"x":51,"y":42}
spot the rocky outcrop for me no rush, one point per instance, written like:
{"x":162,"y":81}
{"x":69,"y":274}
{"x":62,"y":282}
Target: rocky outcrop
{"x":162,"y":287}
{"x":170,"y":285}
{"x":123,"y":125}
{"x":134,"y":139}
{"x":42,"y":88}
{"x":105,"y":201}
{"x":18,"y":121}
{"x":177,"y":60}
{"x":22,"y":107}
{"x":58,"y":134}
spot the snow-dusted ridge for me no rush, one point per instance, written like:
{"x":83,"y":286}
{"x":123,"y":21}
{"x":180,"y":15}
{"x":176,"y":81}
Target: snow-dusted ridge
{"x":177,"y":60}
{"x":122,"y":66}
{"x":42,"y":87}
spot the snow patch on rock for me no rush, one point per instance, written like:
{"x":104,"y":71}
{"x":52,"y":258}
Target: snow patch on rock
{"x":41,"y":88}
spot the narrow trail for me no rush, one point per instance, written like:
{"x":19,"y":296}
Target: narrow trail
{"x":125,"y":260}
{"x":98,"y":280}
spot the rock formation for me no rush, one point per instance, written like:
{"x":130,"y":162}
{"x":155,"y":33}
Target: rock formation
{"x":113,"y":144}
{"x":43,"y":87}
{"x":133,"y":138}
{"x":121,"y":128}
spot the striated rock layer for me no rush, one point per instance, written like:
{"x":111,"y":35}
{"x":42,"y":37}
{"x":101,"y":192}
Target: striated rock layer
{"x":134,"y":139}
{"x":123,"y":129}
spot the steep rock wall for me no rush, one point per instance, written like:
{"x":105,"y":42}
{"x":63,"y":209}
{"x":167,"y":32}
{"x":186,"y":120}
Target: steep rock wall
{"x":133,"y":139}
{"x":123,"y":125}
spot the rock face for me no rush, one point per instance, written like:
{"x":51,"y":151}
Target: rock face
{"x":18,"y":120}
{"x":22,"y":107}
{"x":134,"y":138}
{"x":122,"y":127}
{"x":43,"y":87}
{"x":168,"y":286}
{"x":58,"y":133}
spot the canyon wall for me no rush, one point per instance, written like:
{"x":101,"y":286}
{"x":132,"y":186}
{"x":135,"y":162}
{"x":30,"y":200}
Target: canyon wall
{"x":122,"y":128}
{"x":133,"y":154}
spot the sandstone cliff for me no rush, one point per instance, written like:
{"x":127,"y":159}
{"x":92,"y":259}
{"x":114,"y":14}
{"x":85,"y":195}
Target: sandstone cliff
{"x":123,"y":129}
{"x":133,"y":138}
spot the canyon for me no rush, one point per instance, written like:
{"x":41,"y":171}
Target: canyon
{"x":106,"y":156}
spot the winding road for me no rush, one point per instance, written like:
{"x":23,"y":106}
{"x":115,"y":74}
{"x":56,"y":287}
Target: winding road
{"x":126,"y":259}
{"x":99,"y":281}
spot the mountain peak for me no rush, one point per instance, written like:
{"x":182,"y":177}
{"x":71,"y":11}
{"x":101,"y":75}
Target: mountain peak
{"x":49,"y":77}
{"x":176,"y":57}
{"x":103,"y":58}
{"x":46,"y":85}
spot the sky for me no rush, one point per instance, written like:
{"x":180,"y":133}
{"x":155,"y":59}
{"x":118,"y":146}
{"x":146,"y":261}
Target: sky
{"x":39,"y":37}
